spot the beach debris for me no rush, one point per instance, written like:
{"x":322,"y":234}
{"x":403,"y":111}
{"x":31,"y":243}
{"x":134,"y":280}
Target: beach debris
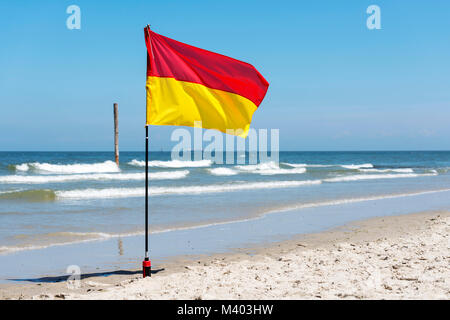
{"x":408,"y":279}
{"x":61,"y":296}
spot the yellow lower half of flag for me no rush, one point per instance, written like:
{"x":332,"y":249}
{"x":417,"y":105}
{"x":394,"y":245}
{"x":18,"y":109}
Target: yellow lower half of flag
{"x":181,"y":103}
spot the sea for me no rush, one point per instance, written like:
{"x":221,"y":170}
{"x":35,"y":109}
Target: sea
{"x":63,"y":198}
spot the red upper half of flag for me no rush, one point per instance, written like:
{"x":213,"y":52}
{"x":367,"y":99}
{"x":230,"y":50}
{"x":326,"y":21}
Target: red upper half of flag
{"x":174,"y":59}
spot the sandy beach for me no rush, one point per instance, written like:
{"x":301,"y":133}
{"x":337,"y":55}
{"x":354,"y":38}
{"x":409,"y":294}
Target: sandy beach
{"x":251,"y":151}
{"x":397,"y":257}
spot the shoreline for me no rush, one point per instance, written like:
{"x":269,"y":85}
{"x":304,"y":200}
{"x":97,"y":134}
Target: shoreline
{"x":212,"y":223}
{"x":304,"y":259}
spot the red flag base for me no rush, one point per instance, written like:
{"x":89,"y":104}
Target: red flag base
{"x":146,"y":268}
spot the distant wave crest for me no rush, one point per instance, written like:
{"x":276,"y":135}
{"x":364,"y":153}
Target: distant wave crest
{"x":399,"y":170}
{"x":172,"y":163}
{"x":269,"y":168}
{"x":377,"y":176}
{"x":357,"y":166}
{"x":223,"y":172}
{"x":346,"y":166}
{"x":101,"y":167}
{"x":21,"y":179}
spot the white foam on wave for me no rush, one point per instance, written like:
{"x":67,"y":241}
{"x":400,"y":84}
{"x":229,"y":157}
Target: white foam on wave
{"x":101,"y":167}
{"x":164,"y":175}
{"x":399,"y":170}
{"x":269,"y":168}
{"x":346,"y":166}
{"x":377,"y":176}
{"x":190,"y":190}
{"x":296,"y":165}
{"x":306,"y":165}
{"x":172,"y":163}
{"x":22,"y":167}
{"x":357,"y":166}
{"x":223,"y":172}
{"x":169,"y":175}
{"x":11,"y":191}
{"x":365,"y":167}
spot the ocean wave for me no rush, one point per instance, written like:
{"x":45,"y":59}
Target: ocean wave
{"x":187,"y":190}
{"x":399,"y":170}
{"x":269,"y":168}
{"x":223,"y":172}
{"x":306,"y":165}
{"x":30,"y":195}
{"x":166,"y":175}
{"x":101,"y":167}
{"x":295,"y":165}
{"x":357,"y":166}
{"x":377,"y":176}
{"x":346,"y":166}
{"x":137,"y":163}
{"x":22,"y":167}
{"x":172,"y":163}
{"x":51,"y":195}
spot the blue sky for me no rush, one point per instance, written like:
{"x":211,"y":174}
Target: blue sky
{"x":334,"y":84}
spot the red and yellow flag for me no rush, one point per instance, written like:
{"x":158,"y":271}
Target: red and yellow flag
{"x":186,"y":84}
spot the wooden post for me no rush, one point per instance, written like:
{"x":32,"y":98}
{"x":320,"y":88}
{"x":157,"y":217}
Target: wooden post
{"x":116,"y":132}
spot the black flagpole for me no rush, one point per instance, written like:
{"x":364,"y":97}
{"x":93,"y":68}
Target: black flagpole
{"x":146,"y":265}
